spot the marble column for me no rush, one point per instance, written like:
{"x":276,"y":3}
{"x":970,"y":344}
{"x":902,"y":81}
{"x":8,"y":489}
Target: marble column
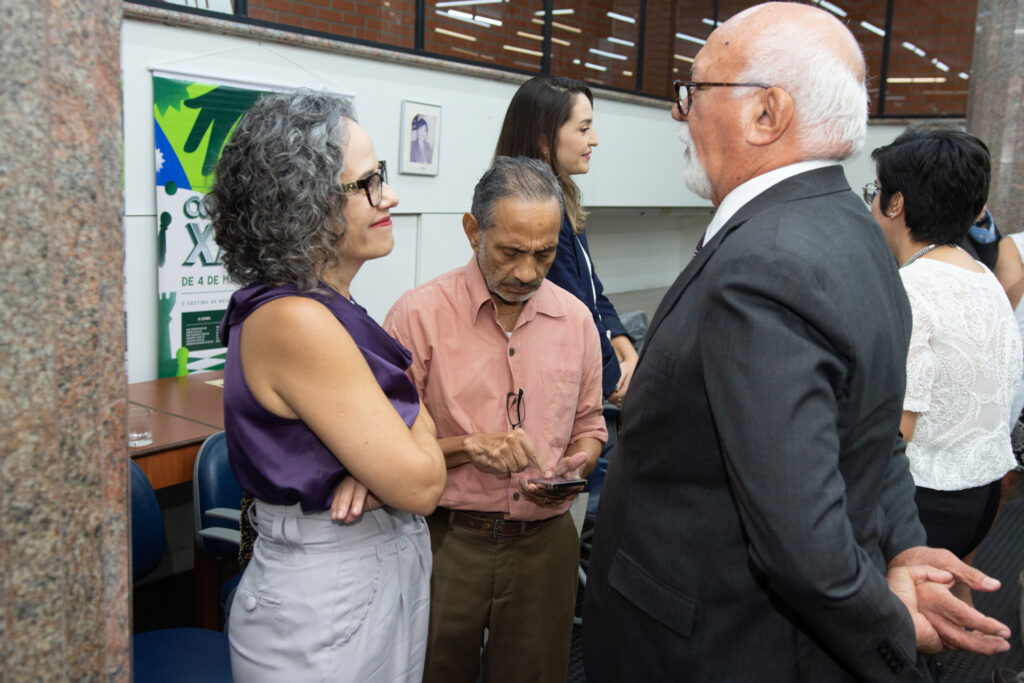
{"x":64,"y":611}
{"x":995,"y":107}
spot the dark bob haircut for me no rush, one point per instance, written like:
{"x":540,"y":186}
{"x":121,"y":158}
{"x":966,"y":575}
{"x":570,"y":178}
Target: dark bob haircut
{"x":277,"y":205}
{"x":943,"y":176}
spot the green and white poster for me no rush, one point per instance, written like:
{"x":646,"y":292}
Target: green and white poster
{"x":192,"y":121}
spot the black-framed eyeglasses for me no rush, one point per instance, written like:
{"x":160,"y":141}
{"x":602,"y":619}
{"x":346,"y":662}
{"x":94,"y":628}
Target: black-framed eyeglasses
{"x":372,"y":185}
{"x":515,"y":408}
{"x":686,"y":102}
{"x":870,"y":190}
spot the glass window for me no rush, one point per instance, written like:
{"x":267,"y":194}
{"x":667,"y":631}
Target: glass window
{"x":597,"y":42}
{"x":864,"y":18}
{"x":391,"y":23}
{"x":926,"y":51}
{"x":675,"y":33}
{"x":222,"y":6}
{"x":930,"y":58}
{"x":694,"y":23}
{"x":491,"y":32}
{"x":867,"y":21}
{"x":929,"y":52}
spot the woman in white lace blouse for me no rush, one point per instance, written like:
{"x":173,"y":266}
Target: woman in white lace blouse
{"x":964,"y":362}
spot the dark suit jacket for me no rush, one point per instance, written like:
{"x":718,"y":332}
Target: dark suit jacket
{"x":758,"y":487}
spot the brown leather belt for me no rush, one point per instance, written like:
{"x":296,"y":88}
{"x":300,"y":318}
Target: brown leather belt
{"x":490,"y":523}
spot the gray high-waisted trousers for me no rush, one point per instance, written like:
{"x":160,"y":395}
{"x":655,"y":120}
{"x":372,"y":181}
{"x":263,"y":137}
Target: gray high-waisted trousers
{"x":325,"y":601}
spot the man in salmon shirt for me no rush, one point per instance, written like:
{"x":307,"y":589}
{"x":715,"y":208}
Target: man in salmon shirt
{"x":509,"y":366}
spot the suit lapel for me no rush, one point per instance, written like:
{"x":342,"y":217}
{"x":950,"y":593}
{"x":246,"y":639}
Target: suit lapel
{"x":808,"y":184}
{"x":683,"y":281}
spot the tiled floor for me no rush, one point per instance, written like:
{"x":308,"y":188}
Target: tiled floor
{"x":1001,"y":555}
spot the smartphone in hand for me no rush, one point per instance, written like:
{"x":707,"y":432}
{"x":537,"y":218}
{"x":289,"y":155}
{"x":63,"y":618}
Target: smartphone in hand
{"x":561,"y":485}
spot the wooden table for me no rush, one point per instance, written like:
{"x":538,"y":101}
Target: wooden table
{"x":186,"y":410}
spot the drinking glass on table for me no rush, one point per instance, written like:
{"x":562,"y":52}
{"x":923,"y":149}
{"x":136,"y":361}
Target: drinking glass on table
{"x":139,"y":426}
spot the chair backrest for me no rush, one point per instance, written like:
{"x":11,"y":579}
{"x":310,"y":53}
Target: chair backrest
{"x":635,"y":323}
{"x":147,"y":525}
{"x":216,"y":499}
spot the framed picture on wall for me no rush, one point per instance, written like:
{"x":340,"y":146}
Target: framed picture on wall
{"x":421,"y":138}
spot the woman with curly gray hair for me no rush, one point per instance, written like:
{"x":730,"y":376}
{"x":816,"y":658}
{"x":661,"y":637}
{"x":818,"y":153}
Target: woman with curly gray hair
{"x":324,"y":429}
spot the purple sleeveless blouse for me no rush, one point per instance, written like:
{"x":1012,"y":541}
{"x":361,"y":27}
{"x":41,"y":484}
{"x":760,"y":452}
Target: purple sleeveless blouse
{"x":281,"y":461}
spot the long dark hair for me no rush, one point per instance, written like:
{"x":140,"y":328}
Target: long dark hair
{"x":537,"y":111}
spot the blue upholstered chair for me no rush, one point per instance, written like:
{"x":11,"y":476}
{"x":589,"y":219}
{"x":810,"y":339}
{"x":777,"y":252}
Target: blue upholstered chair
{"x":216,"y":503}
{"x":635,"y":323}
{"x":174,"y":654}
{"x":148,"y":537}
{"x":216,"y":499}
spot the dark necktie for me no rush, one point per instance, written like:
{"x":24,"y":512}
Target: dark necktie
{"x":700,"y":243}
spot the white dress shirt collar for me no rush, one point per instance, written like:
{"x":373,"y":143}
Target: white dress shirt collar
{"x":742,"y":194}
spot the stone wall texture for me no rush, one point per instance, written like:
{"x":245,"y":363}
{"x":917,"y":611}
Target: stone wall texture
{"x":995,"y":111}
{"x":64,"y":611}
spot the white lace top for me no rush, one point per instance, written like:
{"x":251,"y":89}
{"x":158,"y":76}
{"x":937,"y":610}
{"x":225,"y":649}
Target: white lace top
{"x":963,"y":368}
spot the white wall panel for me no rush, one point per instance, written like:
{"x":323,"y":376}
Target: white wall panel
{"x":636,"y":166}
{"x":443,"y":244}
{"x":381,"y":281}
{"x":140,"y":296}
{"x":643,"y":248}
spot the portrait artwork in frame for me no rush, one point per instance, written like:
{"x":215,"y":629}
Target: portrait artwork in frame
{"x":421,"y":138}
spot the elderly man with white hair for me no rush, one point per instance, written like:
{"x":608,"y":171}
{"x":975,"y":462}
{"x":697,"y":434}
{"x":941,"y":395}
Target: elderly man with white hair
{"x":758,"y":520}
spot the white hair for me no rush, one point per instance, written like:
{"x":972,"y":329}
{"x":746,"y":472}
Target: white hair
{"x":830,"y":100}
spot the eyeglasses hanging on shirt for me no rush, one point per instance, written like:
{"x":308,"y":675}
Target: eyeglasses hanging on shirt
{"x":515,"y":408}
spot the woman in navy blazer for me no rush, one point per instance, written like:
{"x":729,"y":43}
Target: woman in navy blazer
{"x":557,"y":113}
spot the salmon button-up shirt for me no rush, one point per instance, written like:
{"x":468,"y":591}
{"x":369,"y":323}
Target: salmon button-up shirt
{"x":465,"y":365}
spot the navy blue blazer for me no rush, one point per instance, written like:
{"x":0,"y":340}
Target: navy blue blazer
{"x":569,"y":271}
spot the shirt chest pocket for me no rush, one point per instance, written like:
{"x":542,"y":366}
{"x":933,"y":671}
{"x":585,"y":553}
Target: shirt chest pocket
{"x":560,"y":394}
